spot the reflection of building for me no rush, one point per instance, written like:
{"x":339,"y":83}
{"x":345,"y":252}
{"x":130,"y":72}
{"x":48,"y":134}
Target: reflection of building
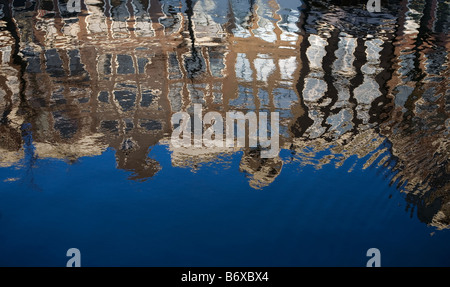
{"x":363,"y":95}
{"x":232,"y":71}
{"x":419,"y":127}
{"x":11,"y":150}
{"x":112,"y":74}
{"x":90,"y":89}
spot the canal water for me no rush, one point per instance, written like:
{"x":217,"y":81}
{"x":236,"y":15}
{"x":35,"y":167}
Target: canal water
{"x":88,"y":89}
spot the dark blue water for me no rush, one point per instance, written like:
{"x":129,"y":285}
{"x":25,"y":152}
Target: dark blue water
{"x":307,"y":217}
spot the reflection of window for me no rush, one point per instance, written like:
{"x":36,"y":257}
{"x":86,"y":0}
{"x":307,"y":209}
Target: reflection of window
{"x":147,"y":98}
{"x":216,"y":61}
{"x":109,"y":126}
{"x":104,"y":64}
{"x":54,"y":63}
{"x":74,"y":6}
{"x":243,"y":69}
{"x":174,"y":68}
{"x":264,"y":67}
{"x":150,"y":125}
{"x":75,"y":65}
{"x":125,"y":64}
{"x":245,"y":99}
{"x":284,"y":98}
{"x":142,"y":62}
{"x":171,"y":20}
{"x":126,"y":99}
{"x":66,"y":127}
{"x":103,"y":97}
{"x":287,"y":67}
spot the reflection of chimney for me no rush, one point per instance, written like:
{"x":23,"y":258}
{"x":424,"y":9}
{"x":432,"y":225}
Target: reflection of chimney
{"x":261,"y":171}
{"x":132,"y":157}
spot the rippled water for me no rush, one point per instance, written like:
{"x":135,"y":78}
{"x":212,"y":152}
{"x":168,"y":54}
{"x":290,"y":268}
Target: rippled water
{"x":88,"y":89}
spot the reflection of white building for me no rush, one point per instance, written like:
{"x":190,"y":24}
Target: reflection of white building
{"x":338,"y":94}
{"x":369,"y":90}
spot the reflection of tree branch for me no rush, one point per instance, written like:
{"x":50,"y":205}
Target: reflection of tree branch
{"x":303,"y":122}
{"x":189,"y":13}
{"x":193,"y":63}
{"x":30,"y":156}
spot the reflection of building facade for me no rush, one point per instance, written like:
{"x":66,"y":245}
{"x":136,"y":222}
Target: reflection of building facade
{"x":112,"y":74}
{"x":419,"y":88}
{"x":11,"y":149}
{"x":363,"y":93}
{"x":238,"y":69}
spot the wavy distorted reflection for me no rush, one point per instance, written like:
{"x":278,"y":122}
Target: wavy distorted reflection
{"x":92,"y":74}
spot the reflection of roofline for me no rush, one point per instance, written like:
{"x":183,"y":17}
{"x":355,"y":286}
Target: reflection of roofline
{"x":89,"y":145}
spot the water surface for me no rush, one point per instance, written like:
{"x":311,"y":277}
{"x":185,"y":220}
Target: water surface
{"x":88,"y":89}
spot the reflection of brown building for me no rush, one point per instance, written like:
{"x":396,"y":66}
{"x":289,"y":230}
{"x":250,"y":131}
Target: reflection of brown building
{"x":96,"y":81}
{"x":11,"y":150}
